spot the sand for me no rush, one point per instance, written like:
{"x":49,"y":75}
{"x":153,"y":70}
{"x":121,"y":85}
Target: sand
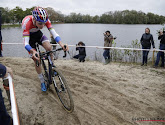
{"x":114,"y":94}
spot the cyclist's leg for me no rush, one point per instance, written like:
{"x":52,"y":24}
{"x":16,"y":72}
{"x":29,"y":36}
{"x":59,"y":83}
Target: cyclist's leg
{"x":38,"y":68}
{"x":40,"y":76}
{"x":46,"y":44}
{"x":36,"y":37}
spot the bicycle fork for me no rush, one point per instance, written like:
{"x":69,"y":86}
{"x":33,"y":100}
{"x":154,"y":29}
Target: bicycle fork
{"x":55,"y":84}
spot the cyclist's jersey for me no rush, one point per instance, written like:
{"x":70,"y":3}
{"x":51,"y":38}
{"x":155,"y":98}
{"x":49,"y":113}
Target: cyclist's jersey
{"x":29,"y":28}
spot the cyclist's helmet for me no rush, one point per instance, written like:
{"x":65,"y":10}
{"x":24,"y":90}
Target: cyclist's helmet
{"x":40,"y":14}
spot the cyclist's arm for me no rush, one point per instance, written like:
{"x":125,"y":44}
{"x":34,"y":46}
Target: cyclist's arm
{"x":52,"y":31}
{"x":57,"y":38}
{"x":26,"y":26}
{"x":29,"y":48}
{"x":26,"y":43}
{"x":55,"y":35}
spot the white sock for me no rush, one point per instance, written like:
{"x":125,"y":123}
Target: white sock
{"x":40,"y":76}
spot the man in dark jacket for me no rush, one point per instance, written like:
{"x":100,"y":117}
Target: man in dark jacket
{"x":5,"y":119}
{"x":0,"y":36}
{"x":108,"y":39}
{"x":161,"y":37}
{"x":146,"y":41}
{"x":82,"y":52}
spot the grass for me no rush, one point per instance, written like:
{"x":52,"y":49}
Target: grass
{"x":10,"y":25}
{"x":19,"y":25}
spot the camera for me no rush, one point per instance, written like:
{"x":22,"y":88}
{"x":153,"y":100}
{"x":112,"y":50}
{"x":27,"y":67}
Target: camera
{"x":163,"y":32}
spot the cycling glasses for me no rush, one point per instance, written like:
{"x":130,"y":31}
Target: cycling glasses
{"x":40,"y":23}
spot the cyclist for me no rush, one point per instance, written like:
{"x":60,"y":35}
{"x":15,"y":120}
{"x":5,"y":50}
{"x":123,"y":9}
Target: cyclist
{"x":32,"y":34}
{"x":5,"y":119}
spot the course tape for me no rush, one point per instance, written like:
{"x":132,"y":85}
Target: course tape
{"x":98,"y":47}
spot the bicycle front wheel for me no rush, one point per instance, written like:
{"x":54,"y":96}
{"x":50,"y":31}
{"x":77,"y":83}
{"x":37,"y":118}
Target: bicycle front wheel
{"x":62,"y":90}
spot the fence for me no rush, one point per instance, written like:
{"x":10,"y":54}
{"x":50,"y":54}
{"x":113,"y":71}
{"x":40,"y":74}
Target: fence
{"x":14,"y":107}
{"x":116,"y":51}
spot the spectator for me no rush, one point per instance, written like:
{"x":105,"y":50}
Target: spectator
{"x":146,"y":41}
{"x":161,"y":37}
{"x":0,"y":38}
{"x":108,"y":39}
{"x":5,"y":119}
{"x":82,"y":52}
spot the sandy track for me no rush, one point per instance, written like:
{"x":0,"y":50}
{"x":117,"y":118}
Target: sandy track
{"x":103,"y":95}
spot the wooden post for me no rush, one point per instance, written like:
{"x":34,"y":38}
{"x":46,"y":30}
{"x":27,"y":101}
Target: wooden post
{"x":153,"y":59}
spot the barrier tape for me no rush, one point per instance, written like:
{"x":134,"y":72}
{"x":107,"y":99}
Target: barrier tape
{"x":14,"y":108}
{"x":99,"y":47}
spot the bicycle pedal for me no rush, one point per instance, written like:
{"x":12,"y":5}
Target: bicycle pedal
{"x":63,"y":89}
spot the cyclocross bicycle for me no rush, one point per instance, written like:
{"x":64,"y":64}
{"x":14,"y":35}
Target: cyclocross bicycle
{"x":52,"y":75}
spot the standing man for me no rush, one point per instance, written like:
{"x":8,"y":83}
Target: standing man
{"x":161,"y":37}
{"x":108,"y":39}
{"x":5,"y":119}
{"x":0,"y":36}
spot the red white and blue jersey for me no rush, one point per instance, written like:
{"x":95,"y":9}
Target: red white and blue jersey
{"x":29,"y":27}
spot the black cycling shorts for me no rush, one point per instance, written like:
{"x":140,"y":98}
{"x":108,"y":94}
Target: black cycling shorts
{"x":2,"y":70}
{"x":37,"y":37}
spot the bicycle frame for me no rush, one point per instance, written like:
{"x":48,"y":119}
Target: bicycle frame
{"x":48,"y":73}
{"x":51,"y":73}
{"x":50,"y":63}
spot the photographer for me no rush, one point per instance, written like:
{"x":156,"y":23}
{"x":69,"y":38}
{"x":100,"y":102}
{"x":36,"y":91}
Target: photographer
{"x":108,"y":39}
{"x":82,"y":52}
{"x":161,"y":37}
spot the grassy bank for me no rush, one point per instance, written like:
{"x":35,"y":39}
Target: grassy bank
{"x":10,"y":25}
{"x":19,"y":25}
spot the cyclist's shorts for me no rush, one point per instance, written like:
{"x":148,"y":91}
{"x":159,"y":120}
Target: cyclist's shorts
{"x":37,"y":37}
{"x":2,"y":70}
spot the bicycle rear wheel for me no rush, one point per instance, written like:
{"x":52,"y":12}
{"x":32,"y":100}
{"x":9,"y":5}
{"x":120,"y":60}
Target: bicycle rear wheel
{"x":62,"y":90}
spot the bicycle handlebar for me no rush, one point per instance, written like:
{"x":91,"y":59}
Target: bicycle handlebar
{"x":52,"y":51}
{"x":45,"y":53}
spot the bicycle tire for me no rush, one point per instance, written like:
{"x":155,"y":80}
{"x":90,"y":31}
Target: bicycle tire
{"x":45,"y":74}
{"x":69,"y":104}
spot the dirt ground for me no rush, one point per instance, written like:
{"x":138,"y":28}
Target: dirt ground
{"x":115,"y":94}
